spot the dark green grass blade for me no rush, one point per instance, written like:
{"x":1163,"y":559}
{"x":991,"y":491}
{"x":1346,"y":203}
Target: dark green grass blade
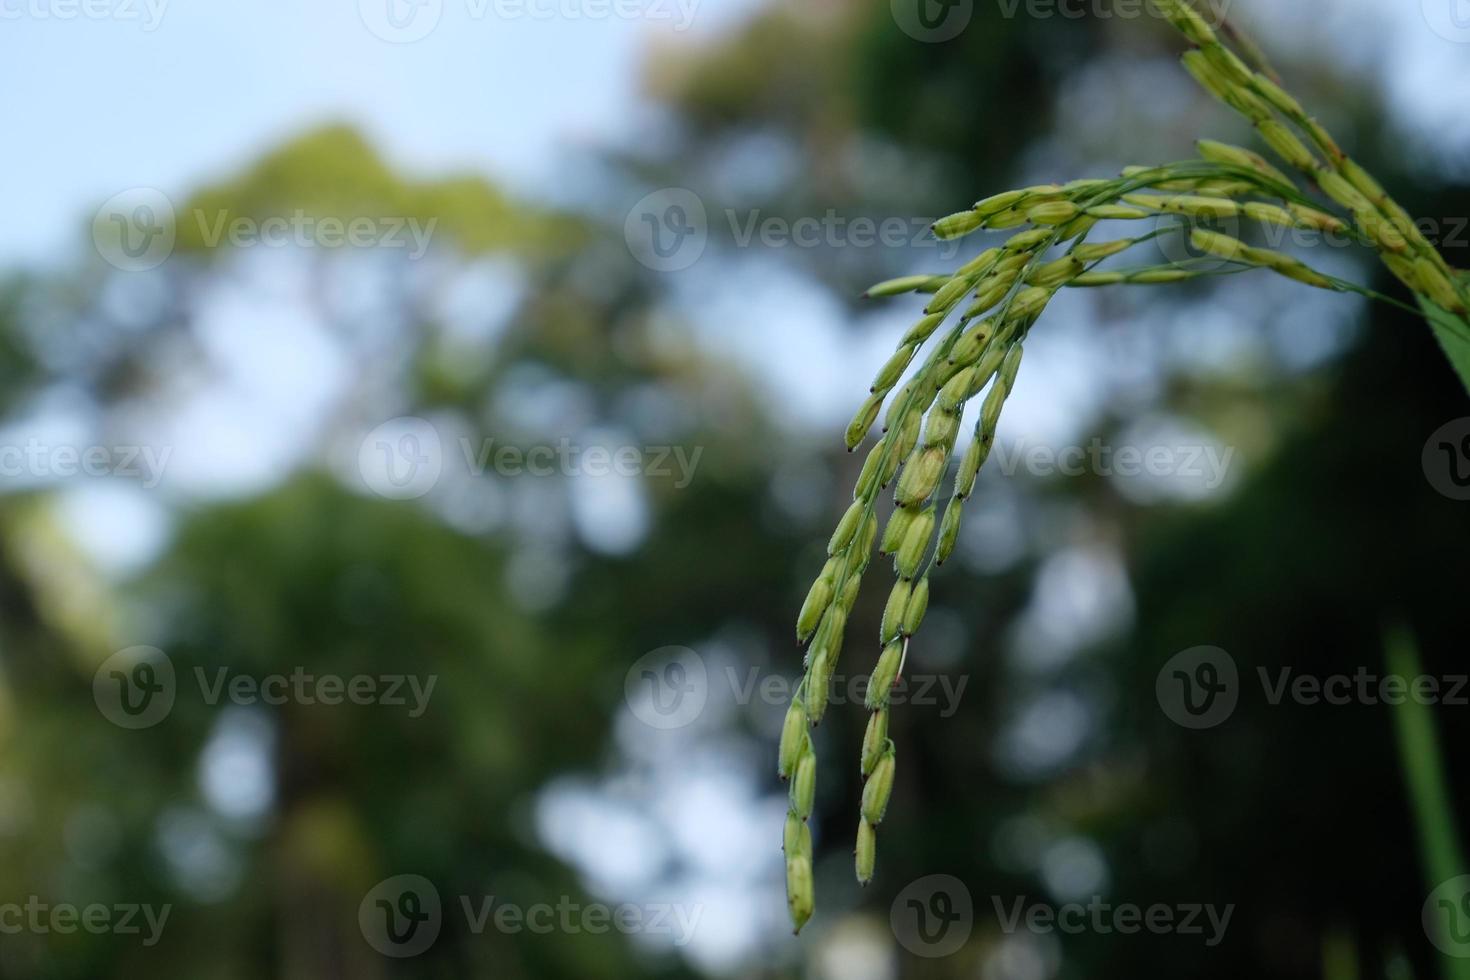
{"x":1424,"y":774}
{"x":1454,"y":336}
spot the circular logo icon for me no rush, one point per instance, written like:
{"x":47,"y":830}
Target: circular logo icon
{"x":933,"y":916}
{"x":667,"y":230}
{"x":402,"y":458}
{"x":1199,"y":687}
{"x":134,"y":688}
{"x":1446,"y":459}
{"x":667,"y":688}
{"x":1446,"y":917}
{"x":1450,"y":19}
{"x":932,"y":21}
{"x":135,"y":230}
{"x":401,"y":21}
{"x":1174,"y":231}
{"x":401,"y":916}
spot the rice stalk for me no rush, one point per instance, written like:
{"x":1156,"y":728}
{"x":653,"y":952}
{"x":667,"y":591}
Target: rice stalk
{"x":995,"y":299}
{"x":1426,"y":783}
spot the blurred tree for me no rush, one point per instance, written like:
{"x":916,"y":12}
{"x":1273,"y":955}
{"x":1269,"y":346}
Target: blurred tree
{"x":502,"y":589}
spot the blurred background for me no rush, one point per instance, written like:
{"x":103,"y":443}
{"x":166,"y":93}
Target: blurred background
{"x":422,"y":422}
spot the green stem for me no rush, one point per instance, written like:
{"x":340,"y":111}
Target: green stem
{"x":1424,"y":778}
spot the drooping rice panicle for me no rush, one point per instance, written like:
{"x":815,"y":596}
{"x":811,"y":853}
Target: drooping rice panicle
{"x":1237,"y":251}
{"x":1261,"y":100}
{"x":999,"y":295}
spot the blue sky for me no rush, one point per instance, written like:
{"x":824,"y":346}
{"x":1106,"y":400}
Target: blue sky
{"x":183,"y":91}
{"x":100,"y":104}
{"x":112,"y":94}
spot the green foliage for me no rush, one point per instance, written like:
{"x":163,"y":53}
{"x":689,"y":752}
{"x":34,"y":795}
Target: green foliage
{"x":335,"y":173}
{"x":1453,"y":334}
{"x":1427,"y":783}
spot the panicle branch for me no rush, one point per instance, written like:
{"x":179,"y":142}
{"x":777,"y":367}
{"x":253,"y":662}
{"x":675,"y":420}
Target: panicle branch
{"x":994,"y":300}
